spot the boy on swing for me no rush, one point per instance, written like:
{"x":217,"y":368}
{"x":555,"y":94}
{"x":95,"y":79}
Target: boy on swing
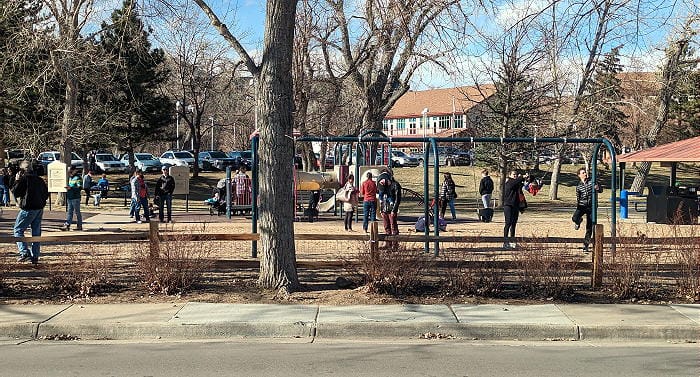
{"x":584,"y":206}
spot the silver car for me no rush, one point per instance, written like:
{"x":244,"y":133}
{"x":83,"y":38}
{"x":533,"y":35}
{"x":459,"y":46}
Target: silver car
{"x":144,"y":161}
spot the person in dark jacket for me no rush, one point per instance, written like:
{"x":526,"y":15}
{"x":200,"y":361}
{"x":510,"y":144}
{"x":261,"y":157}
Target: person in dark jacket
{"x":31,"y":194}
{"x":485,"y":187}
{"x":584,"y":206}
{"x":87,"y":186}
{"x":512,"y":190}
{"x":164,"y":194}
{"x":390,"y":207}
{"x":5,"y":188}
{"x":447,"y":196}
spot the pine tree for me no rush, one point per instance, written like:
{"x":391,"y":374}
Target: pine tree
{"x":605,"y":99}
{"x":142,"y":111}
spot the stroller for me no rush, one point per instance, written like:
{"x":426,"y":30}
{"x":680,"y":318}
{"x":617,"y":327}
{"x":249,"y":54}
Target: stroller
{"x":311,"y":212}
{"x":217,"y":203}
{"x":421,"y":224}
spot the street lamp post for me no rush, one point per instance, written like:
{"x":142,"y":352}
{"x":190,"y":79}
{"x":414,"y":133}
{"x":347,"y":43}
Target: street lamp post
{"x":425,"y":124}
{"x":177,"y":125}
{"x":212,"y":133}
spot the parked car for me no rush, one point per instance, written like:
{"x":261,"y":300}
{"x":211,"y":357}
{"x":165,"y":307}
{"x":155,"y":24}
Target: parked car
{"x":216,"y":160}
{"x":143,"y":161}
{"x":13,"y":157}
{"x":244,"y":158}
{"x":45,"y":158}
{"x":107,"y":163}
{"x":450,"y":156}
{"x":401,"y":159}
{"x":177,"y":158}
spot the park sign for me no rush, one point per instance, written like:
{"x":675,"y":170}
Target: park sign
{"x":181,"y":174}
{"x":57,"y":176}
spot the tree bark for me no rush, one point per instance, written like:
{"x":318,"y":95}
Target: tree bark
{"x":275,"y":103}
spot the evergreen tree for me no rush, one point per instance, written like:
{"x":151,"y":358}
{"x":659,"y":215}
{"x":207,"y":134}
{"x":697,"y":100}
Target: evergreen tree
{"x":142,"y":111}
{"x":604,"y":101}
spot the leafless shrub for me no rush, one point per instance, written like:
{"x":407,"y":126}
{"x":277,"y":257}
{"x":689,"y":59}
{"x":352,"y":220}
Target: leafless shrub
{"x":543,"y":270}
{"x":394,"y":270}
{"x":480,"y":275}
{"x":178,"y":265}
{"x":632,"y":275}
{"x":687,"y":257}
{"x":81,"y":274}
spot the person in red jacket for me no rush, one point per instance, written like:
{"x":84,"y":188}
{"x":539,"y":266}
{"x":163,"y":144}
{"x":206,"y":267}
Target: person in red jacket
{"x":368,"y":190}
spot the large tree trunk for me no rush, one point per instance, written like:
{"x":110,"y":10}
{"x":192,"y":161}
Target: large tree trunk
{"x":668,"y":88}
{"x":275,"y":103}
{"x":69,"y":117}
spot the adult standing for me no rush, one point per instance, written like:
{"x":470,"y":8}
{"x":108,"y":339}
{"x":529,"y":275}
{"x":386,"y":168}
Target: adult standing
{"x":511,"y":207}
{"x":390,"y":207}
{"x":31,"y":193}
{"x":368,"y":190}
{"x":134,"y":194}
{"x":73,"y":200}
{"x":141,"y":198}
{"x":584,"y":205}
{"x":5,"y":188}
{"x":87,"y":186}
{"x":486,"y":188}
{"x":447,"y":196}
{"x":164,"y":194}
{"x":350,"y":202}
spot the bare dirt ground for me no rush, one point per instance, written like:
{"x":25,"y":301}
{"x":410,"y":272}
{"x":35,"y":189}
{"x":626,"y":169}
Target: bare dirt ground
{"x":232,"y":274}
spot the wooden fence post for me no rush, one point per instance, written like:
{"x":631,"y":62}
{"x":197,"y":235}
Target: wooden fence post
{"x":153,"y":239}
{"x":373,"y":238}
{"x":597,"y":276}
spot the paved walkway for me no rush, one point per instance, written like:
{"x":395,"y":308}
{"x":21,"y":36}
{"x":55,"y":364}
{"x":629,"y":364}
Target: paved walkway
{"x":195,"y":320}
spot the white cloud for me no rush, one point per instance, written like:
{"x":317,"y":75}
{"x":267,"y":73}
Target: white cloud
{"x":510,"y":13}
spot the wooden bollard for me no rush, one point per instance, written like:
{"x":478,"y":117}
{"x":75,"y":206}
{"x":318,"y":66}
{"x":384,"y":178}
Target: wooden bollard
{"x":153,"y":239}
{"x":373,"y":238}
{"x":597,"y":276}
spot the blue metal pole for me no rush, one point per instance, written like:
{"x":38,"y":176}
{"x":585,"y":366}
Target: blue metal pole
{"x":436,"y":189}
{"x":426,"y":194}
{"x":228,"y":192}
{"x":256,"y":184}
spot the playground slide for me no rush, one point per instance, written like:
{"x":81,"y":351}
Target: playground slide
{"x":327,"y":205}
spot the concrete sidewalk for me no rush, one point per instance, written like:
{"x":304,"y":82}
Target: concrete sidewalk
{"x":196,"y":320}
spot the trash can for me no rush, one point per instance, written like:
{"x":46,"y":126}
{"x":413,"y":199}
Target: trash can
{"x":672,"y":205}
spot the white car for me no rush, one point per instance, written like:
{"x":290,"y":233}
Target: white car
{"x":177,"y":158}
{"x":48,"y":157}
{"x":145,"y":162}
{"x":107,"y":163}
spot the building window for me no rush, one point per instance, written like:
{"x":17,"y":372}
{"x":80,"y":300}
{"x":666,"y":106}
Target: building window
{"x":386,"y":124}
{"x":444,"y":122}
{"x":412,"y":127}
{"x":459,"y":121}
{"x":401,"y":124}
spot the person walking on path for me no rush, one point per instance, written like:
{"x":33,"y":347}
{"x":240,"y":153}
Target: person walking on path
{"x":512,"y":191}
{"x":584,"y":206}
{"x":350,"y":202}
{"x":5,"y":187}
{"x":486,"y":188}
{"x":390,"y":207}
{"x":87,"y":186}
{"x":73,"y":200}
{"x":368,"y":190}
{"x":31,"y":193}
{"x":134,"y":195}
{"x":164,"y":194}
{"x":447,"y":196}
{"x":102,"y":188}
{"x":141,"y":190}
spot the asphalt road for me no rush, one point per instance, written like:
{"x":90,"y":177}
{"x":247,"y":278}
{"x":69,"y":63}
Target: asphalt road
{"x":348,"y":358}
